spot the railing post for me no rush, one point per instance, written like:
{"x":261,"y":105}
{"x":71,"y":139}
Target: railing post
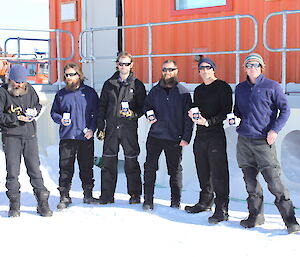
{"x":237,"y":48}
{"x":283,"y":72}
{"x":57,"y":32}
{"x":150,"y":54}
{"x":92,"y":59}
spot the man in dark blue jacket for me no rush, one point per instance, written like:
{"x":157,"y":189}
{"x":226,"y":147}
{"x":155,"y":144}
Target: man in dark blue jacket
{"x":171,"y":130}
{"x":257,"y":102}
{"x":74,"y":109}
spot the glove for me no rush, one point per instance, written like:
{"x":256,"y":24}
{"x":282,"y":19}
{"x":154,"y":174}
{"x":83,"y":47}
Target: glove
{"x":127,"y":114}
{"x":100,"y":135}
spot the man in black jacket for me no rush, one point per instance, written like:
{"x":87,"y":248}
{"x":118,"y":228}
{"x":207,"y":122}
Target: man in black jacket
{"x":19,"y":105}
{"x":171,"y":129}
{"x":121,"y":104}
{"x":213,"y":98}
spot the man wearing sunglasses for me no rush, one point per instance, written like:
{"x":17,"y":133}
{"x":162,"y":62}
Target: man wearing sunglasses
{"x":121,"y":105}
{"x":263,"y":109}
{"x":171,"y":129}
{"x":75,"y":110}
{"x":19,"y":105}
{"x":214,"y":101}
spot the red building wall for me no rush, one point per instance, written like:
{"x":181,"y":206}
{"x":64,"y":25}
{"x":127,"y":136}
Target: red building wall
{"x":210,"y":36}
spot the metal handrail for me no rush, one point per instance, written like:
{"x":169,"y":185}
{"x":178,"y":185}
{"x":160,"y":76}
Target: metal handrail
{"x":283,"y":48}
{"x":150,"y":55}
{"x":58,"y":48}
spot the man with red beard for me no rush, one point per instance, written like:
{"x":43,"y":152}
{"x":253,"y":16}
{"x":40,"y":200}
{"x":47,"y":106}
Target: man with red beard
{"x":74,"y":109}
{"x":171,"y":129}
{"x":19,"y":105}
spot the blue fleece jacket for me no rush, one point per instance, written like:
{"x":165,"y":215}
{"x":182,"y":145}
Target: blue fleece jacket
{"x":82,"y":105}
{"x":257,"y":105}
{"x":171,"y":112}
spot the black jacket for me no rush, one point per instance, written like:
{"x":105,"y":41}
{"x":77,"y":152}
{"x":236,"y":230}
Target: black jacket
{"x":11,"y":106}
{"x":171,"y":112}
{"x":112,"y":94}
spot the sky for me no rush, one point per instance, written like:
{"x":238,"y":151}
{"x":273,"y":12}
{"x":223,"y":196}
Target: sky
{"x":20,"y":14}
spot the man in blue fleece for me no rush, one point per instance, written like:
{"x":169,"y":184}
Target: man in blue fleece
{"x":75,"y":109}
{"x":263,"y":109}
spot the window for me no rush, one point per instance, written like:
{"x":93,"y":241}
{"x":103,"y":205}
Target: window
{"x":199,"y":6}
{"x":191,"y":4}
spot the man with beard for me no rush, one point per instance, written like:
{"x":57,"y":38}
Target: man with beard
{"x":19,"y":105}
{"x":213,"y":98}
{"x":121,"y":105}
{"x":171,"y":129}
{"x":74,"y":109}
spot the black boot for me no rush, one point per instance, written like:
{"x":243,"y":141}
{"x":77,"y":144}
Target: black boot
{"x":14,"y":204}
{"x":253,"y":220}
{"x":65,"y":199}
{"x":135,"y":199}
{"x":42,"y":203}
{"x":88,"y":195}
{"x":221,"y":212}
{"x":292,"y":225}
{"x":205,"y":203}
{"x":148,"y":203}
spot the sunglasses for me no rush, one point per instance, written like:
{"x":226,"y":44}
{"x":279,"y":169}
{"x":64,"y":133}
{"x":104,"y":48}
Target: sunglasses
{"x":124,"y":63}
{"x":70,"y":74}
{"x":168,"y":69}
{"x":250,"y":65}
{"x":208,"y":67}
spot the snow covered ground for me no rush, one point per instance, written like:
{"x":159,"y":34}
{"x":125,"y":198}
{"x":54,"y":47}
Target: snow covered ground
{"x":121,"y":229}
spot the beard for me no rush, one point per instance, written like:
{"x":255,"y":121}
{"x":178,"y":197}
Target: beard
{"x":72,"y":86}
{"x":169,"y":82}
{"x":16,"y":90}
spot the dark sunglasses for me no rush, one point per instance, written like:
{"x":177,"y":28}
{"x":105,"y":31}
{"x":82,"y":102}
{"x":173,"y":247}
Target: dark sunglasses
{"x":124,"y":63}
{"x":168,"y":69}
{"x":208,"y":67}
{"x":250,"y":65}
{"x":70,"y":74}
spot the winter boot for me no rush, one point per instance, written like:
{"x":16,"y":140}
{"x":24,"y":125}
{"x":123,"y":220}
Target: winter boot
{"x":135,"y":199}
{"x":148,"y":203}
{"x":88,"y":195}
{"x":220,"y":214}
{"x":292,"y":225}
{"x":14,"y":204}
{"x":65,"y":199}
{"x":253,"y":220}
{"x":201,"y":206}
{"x":103,"y":200}
{"x":42,"y":203}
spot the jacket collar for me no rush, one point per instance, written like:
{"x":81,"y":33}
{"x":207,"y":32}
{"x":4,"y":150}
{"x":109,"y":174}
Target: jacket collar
{"x":115,"y":78}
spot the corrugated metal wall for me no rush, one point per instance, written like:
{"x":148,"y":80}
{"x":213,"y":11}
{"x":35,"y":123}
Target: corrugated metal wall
{"x":210,"y":36}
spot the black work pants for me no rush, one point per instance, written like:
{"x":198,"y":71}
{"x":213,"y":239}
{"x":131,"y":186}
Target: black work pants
{"x":254,"y":156}
{"x":212,"y":167}
{"x":173,"y":153}
{"x":14,"y":148}
{"x":126,"y":137}
{"x":69,"y":150}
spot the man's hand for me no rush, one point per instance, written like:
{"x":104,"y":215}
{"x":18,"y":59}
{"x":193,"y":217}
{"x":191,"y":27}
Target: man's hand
{"x":24,"y":118}
{"x":89,"y":134}
{"x":101,"y":135}
{"x":271,"y":137}
{"x":201,"y":121}
{"x":183,"y":143}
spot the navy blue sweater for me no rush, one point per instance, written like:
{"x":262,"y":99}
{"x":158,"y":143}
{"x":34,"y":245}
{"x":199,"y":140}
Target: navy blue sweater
{"x":171,"y":111}
{"x":82,"y":104}
{"x":257,"y":105}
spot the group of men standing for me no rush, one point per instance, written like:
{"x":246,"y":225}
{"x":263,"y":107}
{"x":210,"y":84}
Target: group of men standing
{"x":170,"y":111}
